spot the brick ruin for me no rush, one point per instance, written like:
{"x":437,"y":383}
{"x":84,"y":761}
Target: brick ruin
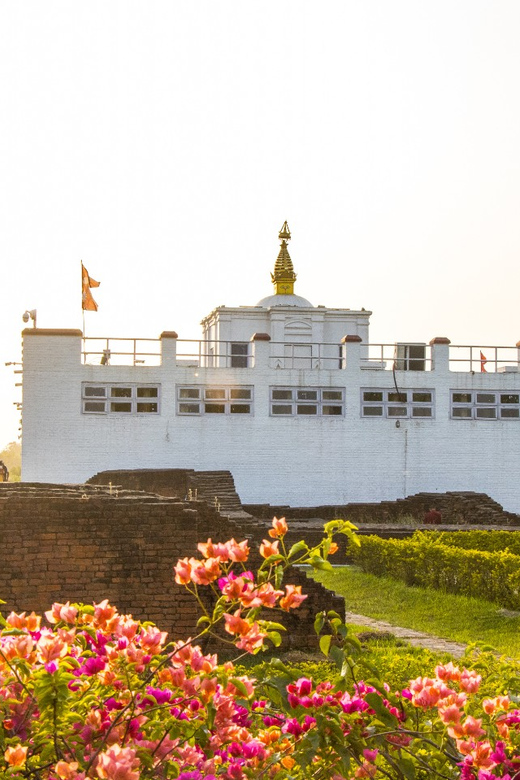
{"x":84,"y":543}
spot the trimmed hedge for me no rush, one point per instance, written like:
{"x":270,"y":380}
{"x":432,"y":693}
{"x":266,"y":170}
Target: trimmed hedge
{"x":491,"y":541}
{"x":423,"y":560}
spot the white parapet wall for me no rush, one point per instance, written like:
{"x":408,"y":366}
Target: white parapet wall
{"x":333,"y":430}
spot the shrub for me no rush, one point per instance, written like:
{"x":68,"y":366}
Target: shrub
{"x":95,"y":694}
{"x":424,"y":560}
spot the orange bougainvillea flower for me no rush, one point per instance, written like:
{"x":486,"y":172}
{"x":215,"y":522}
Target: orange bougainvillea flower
{"x":279,"y":528}
{"x":293,"y":597}
{"x":182,"y":571}
{"x":15,"y":755}
{"x":268,"y":548}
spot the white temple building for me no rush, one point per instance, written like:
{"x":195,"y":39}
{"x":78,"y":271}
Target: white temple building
{"x":291,"y":398}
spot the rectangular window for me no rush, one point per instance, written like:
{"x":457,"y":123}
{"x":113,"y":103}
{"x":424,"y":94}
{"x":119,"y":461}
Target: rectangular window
{"x":214,"y":400}
{"x":120,"y":399}
{"x":307,"y":402}
{"x":397,"y":404}
{"x":239,"y":355}
{"x":481,"y":405}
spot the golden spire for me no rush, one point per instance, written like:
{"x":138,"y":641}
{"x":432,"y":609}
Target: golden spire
{"x":284,"y":277}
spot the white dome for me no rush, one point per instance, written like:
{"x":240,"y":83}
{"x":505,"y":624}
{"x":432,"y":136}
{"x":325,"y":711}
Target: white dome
{"x":285,"y":300}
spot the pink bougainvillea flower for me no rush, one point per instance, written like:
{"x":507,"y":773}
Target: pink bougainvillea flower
{"x":210,"y":550}
{"x":50,"y":648}
{"x":235,"y":624}
{"x":490,"y":706}
{"x":118,"y":763}
{"x":447,"y":672}
{"x":279,"y":528}
{"x":470,"y":681}
{"x":205,"y":572}
{"x":293,"y":597}
{"x":252,"y":640}
{"x":238,"y":551}
{"x":152,"y":640}
{"x":62,"y":612}
{"x":103,"y":614}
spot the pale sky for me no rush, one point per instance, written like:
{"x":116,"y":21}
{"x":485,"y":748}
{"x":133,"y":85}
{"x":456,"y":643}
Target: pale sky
{"x":164,"y":143}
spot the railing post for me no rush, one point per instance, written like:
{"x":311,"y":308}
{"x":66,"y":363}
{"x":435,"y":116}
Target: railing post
{"x":168,"y":348}
{"x":440,"y":354}
{"x":261,"y":350}
{"x":351,"y":357}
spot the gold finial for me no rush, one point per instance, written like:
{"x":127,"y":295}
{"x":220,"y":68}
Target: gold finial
{"x":284,"y":277}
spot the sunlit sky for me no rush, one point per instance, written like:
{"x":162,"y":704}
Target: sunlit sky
{"x":164,"y":143}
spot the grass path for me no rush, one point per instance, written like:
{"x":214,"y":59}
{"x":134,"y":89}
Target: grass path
{"x":456,"y":618}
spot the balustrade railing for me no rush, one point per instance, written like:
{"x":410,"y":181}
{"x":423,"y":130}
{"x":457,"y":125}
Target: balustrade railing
{"x":196,"y":353}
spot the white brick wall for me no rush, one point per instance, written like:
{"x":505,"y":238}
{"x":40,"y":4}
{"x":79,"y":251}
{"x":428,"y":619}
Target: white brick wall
{"x":298,"y":461}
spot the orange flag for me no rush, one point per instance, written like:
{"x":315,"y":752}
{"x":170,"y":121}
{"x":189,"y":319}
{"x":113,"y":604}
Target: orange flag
{"x":483,"y":361}
{"x":87,"y":301}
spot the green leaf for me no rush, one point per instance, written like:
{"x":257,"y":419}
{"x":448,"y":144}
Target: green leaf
{"x":319,"y":622}
{"x":298,"y":547}
{"x":337,"y":655}
{"x":325,"y":644}
{"x":239,"y":685}
{"x":203,"y":619}
{"x":317,"y":562}
{"x":407,"y":767}
{"x":275,"y":638}
{"x":377,"y":704}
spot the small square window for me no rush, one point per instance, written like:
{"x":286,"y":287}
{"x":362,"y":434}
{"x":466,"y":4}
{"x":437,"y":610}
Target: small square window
{"x":397,"y":411}
{"x":240,"y":409}
{"x":332,"y":395}
{"x":370,"y":395}
{"x":121,"y":407}
{"x":333,"y":410}
{"x":509,"y":398}
{"x":486,"y":398}
{"x":215,"y":393}
{"x":400,"y":398}
{"x":307,"y":395}
{"x":488,"y":413}
{"x":214,"y":408}
{"x":422,"y":398}
{"x":186,"y":408}
{"x":189,"y":392}
{"x":510,"y":412}
{"x":462,"y":411}
{"x":94,"y":407}
{"x":372,"y":411}
{"x":239,"y":392}
{"x":147,"y":408}
{"x":147,"y":392}
{"x":306,"y":409}
{"x":95,"y":392}
{"x":121,"y":392}
{"x":462,"y":398}
{"x":281,"y":409}
{"x":421,"y":411}
{"x":282,"y":395}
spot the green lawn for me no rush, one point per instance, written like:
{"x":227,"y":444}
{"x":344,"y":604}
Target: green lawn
{"x":458,"y":618}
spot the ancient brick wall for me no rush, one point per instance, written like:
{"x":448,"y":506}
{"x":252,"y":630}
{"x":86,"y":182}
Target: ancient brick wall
{"x":460,"y":507}
{"x":60,"y":543}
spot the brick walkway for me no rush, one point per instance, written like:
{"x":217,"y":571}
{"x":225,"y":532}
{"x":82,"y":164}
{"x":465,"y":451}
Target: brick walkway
{"x":417,"y":638}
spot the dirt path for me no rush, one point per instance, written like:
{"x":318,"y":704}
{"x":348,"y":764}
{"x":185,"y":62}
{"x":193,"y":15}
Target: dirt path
{"x":417,"y":638}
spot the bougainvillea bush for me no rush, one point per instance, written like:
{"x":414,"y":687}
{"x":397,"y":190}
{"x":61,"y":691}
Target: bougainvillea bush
{"x":91,"y":693}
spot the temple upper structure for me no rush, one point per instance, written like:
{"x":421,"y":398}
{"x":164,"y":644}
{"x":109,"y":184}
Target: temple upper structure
{"x":284,"y":277}
{"x":285,"y":316}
